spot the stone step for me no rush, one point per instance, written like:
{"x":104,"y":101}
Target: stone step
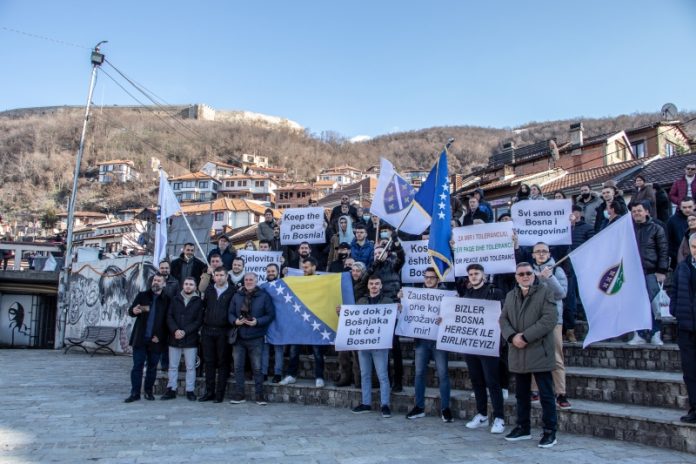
{"x":638,"y":424}
{"x":669,"y":331}
{"x":605,"y":354}
{"x":645,"y":388}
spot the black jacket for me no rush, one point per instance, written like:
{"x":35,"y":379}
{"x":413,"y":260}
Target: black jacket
{"x":188,"y":318}
{"x":682,"y":303}
{"x":479,"y":213}
{"x":159,"y":329}
{"x":261,"y":309}
{"x":652,"y":245}
{"x":600,"y":221}
{"x":676,"y":228}
{"x":486,"y":292}
{"x":389,"y":271}
{"x":199,"y":267}
{"x":227,"y":256}
{"x":581,"y":232}
{"x":215,"y":310}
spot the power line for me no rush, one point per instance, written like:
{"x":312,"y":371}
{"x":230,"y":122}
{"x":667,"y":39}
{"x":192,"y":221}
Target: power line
{"x":42,"y":37}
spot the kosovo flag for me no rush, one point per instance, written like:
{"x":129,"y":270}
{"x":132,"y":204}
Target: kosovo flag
{"x":434,"y":199}
{"x":305,"y":308}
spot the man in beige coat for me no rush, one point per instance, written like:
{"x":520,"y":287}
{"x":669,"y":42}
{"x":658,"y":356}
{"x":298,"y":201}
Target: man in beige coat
{"x":527,"y":322}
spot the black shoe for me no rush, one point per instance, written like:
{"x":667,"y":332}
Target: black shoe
{"x":168,"y":395}
{"x":237,"y":399}
{"x":190,"y":396}
{"x":206,"y":397}
{"x":416,"y":413}
{"x":548,"y":439}
{"x":386,"y":412}
{"x":518,"y":433}
{"x":690,"y":417}
{"x":219,"y":398}
{"x":397,"y":388}
{"x":262,"y":400}
{"x":361,"y":408}
{"x":343,"y":383}
{"x":149,"y":396}
{"x":446,"y":415}
{"x":277,"y":378}
{"x":132,"y":398}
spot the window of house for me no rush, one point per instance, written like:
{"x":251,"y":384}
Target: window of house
{"x":229,"y":183}
{"x":176,"y":186}
{"x":189,"y":184}
{"x":670,"y":149}
{"x":242,"y":183}
{"x":639,"y":149}
{"x":215,"y":187}
{"x":219,"y":216}
{"x":259,"y":183}
{"x":203,"y":184}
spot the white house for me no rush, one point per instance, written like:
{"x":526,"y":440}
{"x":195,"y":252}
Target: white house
{"x":230,"y":212}
{"x":196,"y":186}
{"x":117,"y":171}
{"x":250,"y":186}
{"x":217,"y":169}
{"x":344,"y":175}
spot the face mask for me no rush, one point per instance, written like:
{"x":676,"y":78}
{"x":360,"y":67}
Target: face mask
{"x":251,"y":248}
{"x":585,"y":196}
{"x":384,"y":235}
{"x":366,"y":217}
{"x":606,"y":214}
{"x":342,"y":255}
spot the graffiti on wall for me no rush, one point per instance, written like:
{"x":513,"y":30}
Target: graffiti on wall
{"x":101,"y":293}
{"x":16,"y":314}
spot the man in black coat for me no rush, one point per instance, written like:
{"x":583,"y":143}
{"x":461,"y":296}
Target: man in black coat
{"x":187,"y":265}
{"x":676,"y":228}
{"x":227,"y":253}
{"x":149,"y":336}
{"x":336,"y":212}
{"x":184,"y":319}
{"x":475,"y":212}
{"x":216,"y":350}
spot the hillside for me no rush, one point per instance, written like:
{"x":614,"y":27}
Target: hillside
{"x":38,"y":150}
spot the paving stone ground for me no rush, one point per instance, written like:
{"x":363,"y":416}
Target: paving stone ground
{"x":69,"y":408}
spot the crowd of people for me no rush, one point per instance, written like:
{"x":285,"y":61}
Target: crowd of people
{"x":222,"y":309}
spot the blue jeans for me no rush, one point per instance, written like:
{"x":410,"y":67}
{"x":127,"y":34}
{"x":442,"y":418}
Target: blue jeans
{"x":380,"y":358}
{"x":653,"y":289}
{"x":254,"y":347}
{"x":142,"y":355}
{"x":425,"y":351}
{"x":278,"y":354}
{"x":294,"y":363}
{"x":546,"y":396}
{"x":485,"y":372}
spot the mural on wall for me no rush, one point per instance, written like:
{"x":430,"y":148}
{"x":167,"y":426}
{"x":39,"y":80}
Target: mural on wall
{"x":101,"y":292}
{"x":16,"y":315}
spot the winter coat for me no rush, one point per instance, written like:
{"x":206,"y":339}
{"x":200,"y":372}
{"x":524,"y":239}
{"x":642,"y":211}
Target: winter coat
{"x":600,"y":221}
{"x":684,"y":250}
{"x":381,"y":299}
{"x":677,"y":226}
{"x":535,"y":317}
{"x":199,"y":267}
{"x":171,"y":287}
{"x":646,"y":193}
{"x":581,"y":232}
{"x":215,"y":316}
{"x":264,"y":231}
{"x":682,"y":294}
{"x":227,"y":256}
{"x":261,"y":308}
{"x":652,"y":245}
{"x":159,"y":329}
{"x":389,"y":271}
{"x":589,"y":208}
{"x":478,"y":213}
{"x":363,"y":253}
{"x":186,"y":317}
{"x":557,"y":283}
{"x":680,"y":190}
{"x":664,"y":207}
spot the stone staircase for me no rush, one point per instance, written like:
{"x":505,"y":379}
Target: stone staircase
{"x":631,"y":393}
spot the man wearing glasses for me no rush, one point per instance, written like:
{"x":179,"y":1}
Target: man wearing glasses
{"x":527,"y":322}
{"x":684,"y":186}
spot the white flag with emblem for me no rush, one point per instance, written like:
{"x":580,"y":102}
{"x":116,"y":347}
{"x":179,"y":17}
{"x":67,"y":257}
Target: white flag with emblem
{"x":167,"y":206}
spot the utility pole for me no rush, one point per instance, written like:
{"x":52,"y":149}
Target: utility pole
{"x":97,"y":59}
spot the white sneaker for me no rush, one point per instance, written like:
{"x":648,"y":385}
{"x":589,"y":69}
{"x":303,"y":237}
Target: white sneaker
{"x":498,"y":425}
{"x":288,"y":380}
{"x":506,"y":393}
{"x":319,"y":383}
{"x":637,"y":340}
{"x":656,"y":339}
{"x":477,"y":421}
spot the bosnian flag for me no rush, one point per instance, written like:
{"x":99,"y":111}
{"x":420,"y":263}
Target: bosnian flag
{"x":167,"y":205}
{"x":393,"y":202}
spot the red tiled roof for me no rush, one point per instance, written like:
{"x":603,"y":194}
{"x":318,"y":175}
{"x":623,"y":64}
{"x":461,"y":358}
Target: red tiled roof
{"x":591,"y":176}
{"x":194,"y":176}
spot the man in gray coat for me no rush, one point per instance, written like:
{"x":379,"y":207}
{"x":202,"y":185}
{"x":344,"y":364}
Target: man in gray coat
{"x":527,"y":322}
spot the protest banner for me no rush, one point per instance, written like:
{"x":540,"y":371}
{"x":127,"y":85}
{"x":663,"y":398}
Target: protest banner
{"x":420,"y":307}
{"x":469,"y":326}
{"x":416,"y":261}
{"x":365,"y":327}
{"x":302,"y":225}
{"x":545,"y":221}
{"x":256,"y":261}
{"x":489,"y":245}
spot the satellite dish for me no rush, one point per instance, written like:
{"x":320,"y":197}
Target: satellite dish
{"x":669,"y":111}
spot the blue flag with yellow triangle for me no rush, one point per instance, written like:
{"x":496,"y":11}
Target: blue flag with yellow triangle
{"x":305,"y":308}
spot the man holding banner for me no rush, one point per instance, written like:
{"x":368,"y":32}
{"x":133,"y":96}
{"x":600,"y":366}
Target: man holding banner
{"x":527,"y":321}
{"x":484,"y":370}
{"x":425,"y":350}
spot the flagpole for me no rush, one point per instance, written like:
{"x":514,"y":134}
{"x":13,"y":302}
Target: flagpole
{"x":410,"y":207}
{"x":200,"y":248}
